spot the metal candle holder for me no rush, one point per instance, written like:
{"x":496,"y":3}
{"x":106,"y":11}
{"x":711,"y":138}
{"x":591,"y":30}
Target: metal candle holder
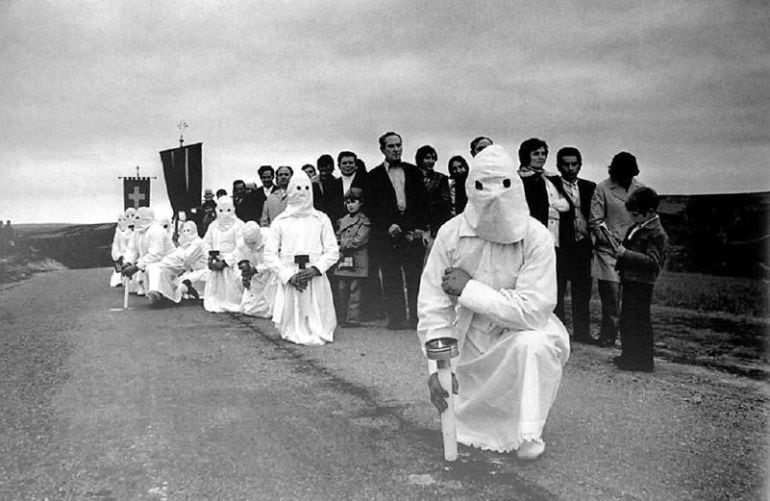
{"x":443,"y":350}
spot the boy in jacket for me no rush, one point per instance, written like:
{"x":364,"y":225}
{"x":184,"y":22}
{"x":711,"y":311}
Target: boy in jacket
{"x":353,"y":267}
{"x":639,"y":261}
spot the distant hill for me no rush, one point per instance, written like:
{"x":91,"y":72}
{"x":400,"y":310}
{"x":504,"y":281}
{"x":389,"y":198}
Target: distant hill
{"x":725,"y":234}
{"x":73,"y":245}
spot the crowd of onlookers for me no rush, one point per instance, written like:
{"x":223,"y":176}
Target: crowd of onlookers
{"x":387,"y":217}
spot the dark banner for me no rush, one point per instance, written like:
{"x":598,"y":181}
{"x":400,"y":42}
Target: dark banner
{"x":183,"y":170}
{"x":136,"y":192}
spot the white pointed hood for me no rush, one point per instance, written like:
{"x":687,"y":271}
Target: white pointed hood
{"x":225,"y":213}
{"x":144,"y":218}
{"x":188,"y":234}
{"x":252,"y":235}
{"x":122,"y":222}
{"x":299,"y":196}
{"x":497,"y":209}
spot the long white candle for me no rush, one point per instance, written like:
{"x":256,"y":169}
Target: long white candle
{"x":448,"y":425}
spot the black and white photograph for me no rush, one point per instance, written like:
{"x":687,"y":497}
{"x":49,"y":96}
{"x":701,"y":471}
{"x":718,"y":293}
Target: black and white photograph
{"x":392,"y":250}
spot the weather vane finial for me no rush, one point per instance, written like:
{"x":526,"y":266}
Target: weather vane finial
{"x":181,"y":126}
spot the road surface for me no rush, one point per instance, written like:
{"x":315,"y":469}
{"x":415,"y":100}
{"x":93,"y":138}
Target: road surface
{"x":178,"y":403}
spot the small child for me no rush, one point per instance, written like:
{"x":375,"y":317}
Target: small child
{"x":353,"y":267}
{"x":639,"y":260}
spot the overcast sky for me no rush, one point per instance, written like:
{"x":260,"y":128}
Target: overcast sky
{"x":90,"y":89}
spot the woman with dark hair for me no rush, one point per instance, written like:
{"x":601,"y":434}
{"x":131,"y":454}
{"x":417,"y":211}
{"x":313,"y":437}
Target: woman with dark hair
{"x":609,"y":221}
{"x":458,"y":173}
{"x":479,"y":144}
{"x":436,"y":186}
{"x":544,"y":196}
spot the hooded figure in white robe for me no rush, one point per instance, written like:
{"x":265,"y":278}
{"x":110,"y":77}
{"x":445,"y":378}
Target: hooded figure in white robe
{"x":118,"y":249}
{"x":258,"y":281}
{"x":187,"y":263}
{"x":490,"y":283}
{"x":223,"y":286}
{"x":303,"y":309}
{"x":149,"y":244}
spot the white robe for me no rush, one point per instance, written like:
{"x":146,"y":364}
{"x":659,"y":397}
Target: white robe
{"x":148,"y":245}
{"x":119,"y":245}
{"x":188,"y":262}
{"x":512,"y":346}
{"x":305,"y":317}
{"x":223,"y":288}
{"x":257,"y":300}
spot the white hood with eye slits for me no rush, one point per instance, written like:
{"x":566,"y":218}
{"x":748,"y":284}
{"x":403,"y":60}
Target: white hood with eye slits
{"x":497,"y":208}
{"x":299,"y":197}
{"x":225,"y":213}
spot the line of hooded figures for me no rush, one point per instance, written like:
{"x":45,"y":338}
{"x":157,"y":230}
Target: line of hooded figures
{"x":500,"y":239}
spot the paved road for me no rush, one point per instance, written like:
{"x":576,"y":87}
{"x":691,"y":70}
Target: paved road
{"x":178,"y":403}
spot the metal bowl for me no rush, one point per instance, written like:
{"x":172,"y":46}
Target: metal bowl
{"x":442,"y":348}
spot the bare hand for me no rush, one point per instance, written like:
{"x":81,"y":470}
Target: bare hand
{"x":394,"y":230}
{"x":438,"y":395}
{"x":129,"y":270}
{"x":298,"y":282}
{"x":217,"y":265}
{"x":454,"y":280}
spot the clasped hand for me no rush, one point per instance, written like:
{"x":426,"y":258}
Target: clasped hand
{"x":438,"y":394}
{"x":300,"y":279}
{"x":454,"y":280}
{"x":129,"y":270}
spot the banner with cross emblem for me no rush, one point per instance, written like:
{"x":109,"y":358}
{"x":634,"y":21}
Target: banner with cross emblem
{"x":136,"y":192}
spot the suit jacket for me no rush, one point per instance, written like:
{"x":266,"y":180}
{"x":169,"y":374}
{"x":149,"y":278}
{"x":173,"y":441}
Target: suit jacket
{"x":439,"y":200}
{"x":567,"y":219}
{"x":246,"y":208}
{"x":259,"y":200}
{"x":274,"y":205}
{"x":334,"y":198}
{"x":645,"y":252}
{"x":382,"y":206}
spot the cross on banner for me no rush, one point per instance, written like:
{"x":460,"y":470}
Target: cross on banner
{"x":136,"y":196}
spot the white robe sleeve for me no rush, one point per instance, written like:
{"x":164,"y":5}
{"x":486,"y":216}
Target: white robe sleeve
{"x":435,"y":308}
{"x":529,"y":305}
{"x":132,"y":251}
{"x":272,"y":258}
{"x":156,"y":246}
{"x":331,"y":251}
{"x":117,"y":247}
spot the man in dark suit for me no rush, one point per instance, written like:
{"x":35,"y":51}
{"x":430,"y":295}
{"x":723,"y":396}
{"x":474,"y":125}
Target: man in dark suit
{"x":397,"y":208}
{"x":266,"y":175}
{"x":325,"y":192}
{"x":573,"y":254}
{"x":350,"y":178}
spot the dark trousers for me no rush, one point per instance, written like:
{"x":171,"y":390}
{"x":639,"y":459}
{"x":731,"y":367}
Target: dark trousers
{"x":350,"y":298}
{"x":609,"y":292}
{"x":635,"y":325}
{"x":400,"y":266}
{"x":573,"y":266}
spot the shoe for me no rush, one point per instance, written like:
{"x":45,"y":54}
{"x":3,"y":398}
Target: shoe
{"x":530,"y":450}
